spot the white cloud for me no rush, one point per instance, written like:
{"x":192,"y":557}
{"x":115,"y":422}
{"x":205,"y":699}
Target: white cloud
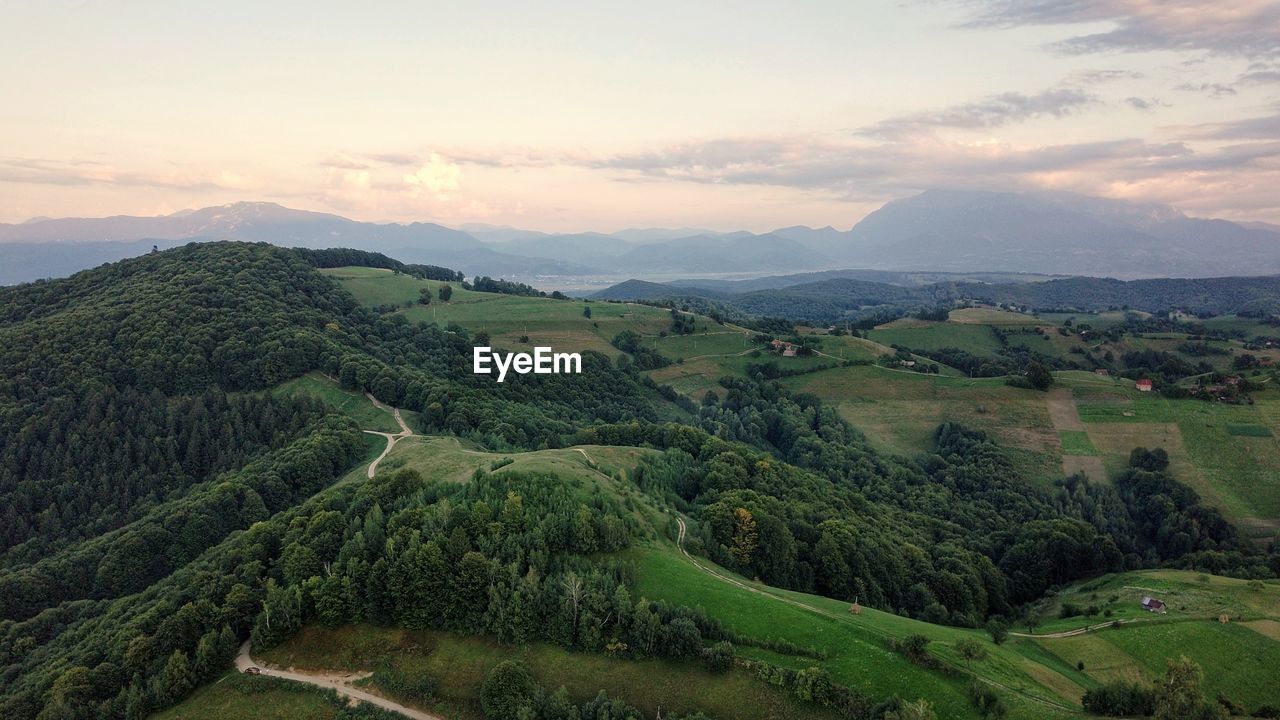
{"x":437,"y":177}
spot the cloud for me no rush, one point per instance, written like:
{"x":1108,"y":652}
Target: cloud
{"x":1266,"y":127}
{"x":41,"y":171}
{"x":1260,"y":77}
{"x":437,"y":177}
{"x":1145,"y":104}
{"x":395,"y":158}
{"x":1240,"y":28}
{"x":1216,"y":90}
{"x":992,"y":111}
{"x":343,"y":161}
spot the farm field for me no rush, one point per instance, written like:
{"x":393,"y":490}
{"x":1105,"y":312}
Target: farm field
{"x":1238,"y":655}
{"x":920,"y":335}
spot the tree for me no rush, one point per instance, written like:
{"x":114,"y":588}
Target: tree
{"x":745,"y":535}
{"x":998,"y":629}
{"x":424,"y":296}
{"x":445,"y":292}
{"x":1179,"y":696}
{"x":918,"y":710}
{"x":970,"y":650}
{"x":1039,"y":376}
{"x":508,"y":691}
{"x":175,"y":680}
{"x":683,"y":638}
{"x":586,"y":312}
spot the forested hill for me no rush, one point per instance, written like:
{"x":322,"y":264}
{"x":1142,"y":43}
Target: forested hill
{"x":834,"y":300}
{"x":124,"y":416}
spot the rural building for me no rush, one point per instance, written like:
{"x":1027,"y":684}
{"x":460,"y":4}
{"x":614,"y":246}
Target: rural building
{"x":1144,"y":386}
{"x":785,"y":349}
{"x":1102,"y":371}
{"x":1153,"y":605}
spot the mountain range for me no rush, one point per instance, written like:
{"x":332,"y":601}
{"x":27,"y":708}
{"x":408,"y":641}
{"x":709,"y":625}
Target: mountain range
{"x":938,"y":231}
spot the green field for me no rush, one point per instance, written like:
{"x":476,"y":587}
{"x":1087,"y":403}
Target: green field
{"x":991,"y":316}
{"x":1076,"y":442}
{"x":918,"y":335}
{"x":857,"y":645}
{"x":239,"y":697}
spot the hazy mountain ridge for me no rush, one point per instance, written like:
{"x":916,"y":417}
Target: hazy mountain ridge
{"x":938,"y":231}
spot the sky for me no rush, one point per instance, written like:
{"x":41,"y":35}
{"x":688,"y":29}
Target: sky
{"x":585,"y":115}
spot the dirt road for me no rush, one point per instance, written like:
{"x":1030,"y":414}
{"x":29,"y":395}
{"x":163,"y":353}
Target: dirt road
{"x":392,"y":438}
{"x":339,"y":682}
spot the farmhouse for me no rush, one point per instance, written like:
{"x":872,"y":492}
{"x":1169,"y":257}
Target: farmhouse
{"x":1153,"y":605}
{"x":783,"y":348}
{"x":1102,"y":371}
{"x":1144,"y":386}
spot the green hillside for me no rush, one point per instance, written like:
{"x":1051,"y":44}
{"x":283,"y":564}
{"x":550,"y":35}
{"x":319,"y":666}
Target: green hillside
{"x":300,"y":458}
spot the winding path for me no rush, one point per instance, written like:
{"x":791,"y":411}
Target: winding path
{"x":841,"y":618}
{"x":340,"y":683}
{"x":392,"y":438}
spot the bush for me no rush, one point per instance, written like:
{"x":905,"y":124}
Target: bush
{"x":989,"y":704}
{"x":718,"y":657}
{"x":508,"y":691}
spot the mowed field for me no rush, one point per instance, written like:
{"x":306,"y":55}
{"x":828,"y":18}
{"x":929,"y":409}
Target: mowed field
{"x":560,"y":324}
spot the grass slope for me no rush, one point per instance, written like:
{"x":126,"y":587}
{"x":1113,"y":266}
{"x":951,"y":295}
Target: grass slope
{"x":353,"y":404}
{"x":459,"y":663}
{"x":557,"y":323}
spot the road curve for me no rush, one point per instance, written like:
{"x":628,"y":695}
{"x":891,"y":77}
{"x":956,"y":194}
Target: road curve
{"x":405,"y":432}
{"x":340,"y":683}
